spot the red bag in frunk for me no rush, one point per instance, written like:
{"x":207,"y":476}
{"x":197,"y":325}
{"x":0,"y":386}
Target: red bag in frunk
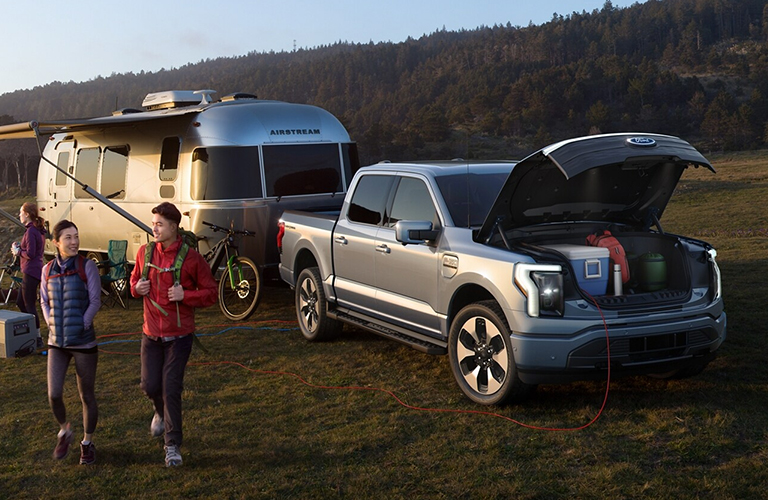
{"x":618,"y":256}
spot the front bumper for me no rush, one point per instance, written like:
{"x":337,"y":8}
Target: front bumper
{"x":635,"y":349}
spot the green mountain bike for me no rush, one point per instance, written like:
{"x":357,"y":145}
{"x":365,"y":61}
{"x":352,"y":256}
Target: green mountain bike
{"x":239,"y":281}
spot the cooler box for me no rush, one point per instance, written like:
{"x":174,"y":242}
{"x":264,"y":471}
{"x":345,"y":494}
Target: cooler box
{"x":590,"y":265}
{"x":18,"y":334}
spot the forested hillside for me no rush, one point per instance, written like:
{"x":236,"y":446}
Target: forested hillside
{"x":693,"y":68}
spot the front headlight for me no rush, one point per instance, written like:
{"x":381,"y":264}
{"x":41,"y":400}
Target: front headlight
{"x":717,"y":284}
{"x":542,"y":286}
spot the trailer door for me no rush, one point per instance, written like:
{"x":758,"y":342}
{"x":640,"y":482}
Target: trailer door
{"x":58,"y":205}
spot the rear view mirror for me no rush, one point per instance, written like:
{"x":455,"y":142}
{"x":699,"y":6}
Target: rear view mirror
{"x":414,"y":232}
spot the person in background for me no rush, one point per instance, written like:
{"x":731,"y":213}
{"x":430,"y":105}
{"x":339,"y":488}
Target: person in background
{"x":70,"y":297}
{"x":173,"y":279}
{"x":30,"y":252}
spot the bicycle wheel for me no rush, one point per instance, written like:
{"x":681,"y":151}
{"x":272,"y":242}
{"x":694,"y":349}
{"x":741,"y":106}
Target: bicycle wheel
{"x":239,"y":301}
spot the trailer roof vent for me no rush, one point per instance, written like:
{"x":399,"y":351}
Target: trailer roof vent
{"x":125,"y":111}
{"x":176,"y":99}
{"x":237,"y":96}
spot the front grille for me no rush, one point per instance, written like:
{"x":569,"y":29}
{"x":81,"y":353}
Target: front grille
{"x":641,"y":349}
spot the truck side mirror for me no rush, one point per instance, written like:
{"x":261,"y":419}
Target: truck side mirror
{"x":414,"y":232}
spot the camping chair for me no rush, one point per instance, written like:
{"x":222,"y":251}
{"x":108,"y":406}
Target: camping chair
{"x":9,"y":287}
{"x":114,"y":281}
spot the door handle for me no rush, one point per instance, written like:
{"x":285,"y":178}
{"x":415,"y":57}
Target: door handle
{"x":383,"y":248}
{"x":340,"y":240}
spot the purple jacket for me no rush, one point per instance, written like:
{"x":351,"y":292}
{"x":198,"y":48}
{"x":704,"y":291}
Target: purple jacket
{"x":31,"y":253}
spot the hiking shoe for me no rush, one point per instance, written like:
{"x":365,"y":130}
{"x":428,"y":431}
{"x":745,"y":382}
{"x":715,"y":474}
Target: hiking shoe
{"x":62,"y":446}
{"x":87,"y":453}
{"x":172,"y":456}
{"x":157,"y":427}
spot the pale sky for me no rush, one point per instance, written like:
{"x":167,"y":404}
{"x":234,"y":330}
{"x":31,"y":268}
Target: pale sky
{"x":78,"y":40}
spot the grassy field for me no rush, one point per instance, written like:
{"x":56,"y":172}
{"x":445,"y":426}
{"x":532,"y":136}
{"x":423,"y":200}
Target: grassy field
{"x":253,"y":429}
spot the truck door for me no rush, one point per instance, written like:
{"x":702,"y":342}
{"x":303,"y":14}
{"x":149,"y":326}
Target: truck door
{"x":354,"y":240}
{"x":407,"y":275}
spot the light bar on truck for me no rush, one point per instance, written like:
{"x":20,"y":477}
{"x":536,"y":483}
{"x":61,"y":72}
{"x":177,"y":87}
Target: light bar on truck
{"x":527,"y":284}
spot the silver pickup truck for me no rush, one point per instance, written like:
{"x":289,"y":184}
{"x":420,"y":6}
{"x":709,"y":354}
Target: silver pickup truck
{"x":488,"y":262}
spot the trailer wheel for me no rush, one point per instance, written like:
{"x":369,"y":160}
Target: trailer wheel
{"x":97,"y":258}
{"x":311,"y":307}
{"x":481,"y":357}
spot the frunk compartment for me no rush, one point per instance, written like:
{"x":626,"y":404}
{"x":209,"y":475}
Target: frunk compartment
{"x":660,"y":265}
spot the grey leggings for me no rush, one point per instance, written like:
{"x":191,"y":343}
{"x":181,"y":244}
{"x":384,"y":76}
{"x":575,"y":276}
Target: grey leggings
{"x":85,"y":367}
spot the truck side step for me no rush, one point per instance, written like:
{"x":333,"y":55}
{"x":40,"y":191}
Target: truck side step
{"x":417,"y":341}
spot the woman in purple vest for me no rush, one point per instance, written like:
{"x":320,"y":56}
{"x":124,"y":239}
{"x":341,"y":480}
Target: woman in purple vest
{"x":30,"y":252}
{"x":70,"y":297}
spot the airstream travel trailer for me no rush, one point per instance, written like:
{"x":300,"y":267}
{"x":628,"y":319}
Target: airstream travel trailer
{"x":236,"y":162}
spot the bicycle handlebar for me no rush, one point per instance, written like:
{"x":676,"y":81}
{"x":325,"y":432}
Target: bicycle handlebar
{"x":216,"y":228}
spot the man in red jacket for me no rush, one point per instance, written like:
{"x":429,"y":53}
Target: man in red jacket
{"x":173,"y":280}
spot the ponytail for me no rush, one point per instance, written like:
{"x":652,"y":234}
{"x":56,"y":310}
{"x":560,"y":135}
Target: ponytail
{"x":31,"y":209}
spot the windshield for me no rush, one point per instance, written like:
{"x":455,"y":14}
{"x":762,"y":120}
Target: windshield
{"x":469,"y":196}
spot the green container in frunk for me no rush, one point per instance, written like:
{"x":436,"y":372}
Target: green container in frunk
{"x":653,"y":272}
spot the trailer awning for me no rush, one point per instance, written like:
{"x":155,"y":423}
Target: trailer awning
{"x":26,"y":130}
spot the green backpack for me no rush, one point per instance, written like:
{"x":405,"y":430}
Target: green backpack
{"x":180,"y":256}
{"x":177,"y":262}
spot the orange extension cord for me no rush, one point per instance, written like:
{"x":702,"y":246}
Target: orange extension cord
{"x":390,"y":393}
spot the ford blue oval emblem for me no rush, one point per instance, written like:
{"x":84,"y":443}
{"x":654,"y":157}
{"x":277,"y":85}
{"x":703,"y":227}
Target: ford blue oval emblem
{"x":643,"y":142}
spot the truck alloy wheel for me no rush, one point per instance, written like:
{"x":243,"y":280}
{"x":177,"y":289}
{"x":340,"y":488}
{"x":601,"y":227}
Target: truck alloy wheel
{"x":311,"y":306}
{"x":480,"y":353}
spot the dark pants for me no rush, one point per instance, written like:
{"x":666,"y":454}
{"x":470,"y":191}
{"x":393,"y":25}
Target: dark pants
{"x":162,"y":380}
{"x":27,"y":297}
{"x":85,"y":367}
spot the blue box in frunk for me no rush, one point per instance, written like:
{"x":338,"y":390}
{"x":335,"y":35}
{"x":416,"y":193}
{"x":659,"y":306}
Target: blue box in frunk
{"x":590,"y":265}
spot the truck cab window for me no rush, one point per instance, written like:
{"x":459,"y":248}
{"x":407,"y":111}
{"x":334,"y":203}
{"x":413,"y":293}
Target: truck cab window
{"x":169,"y":158}
{"x":368,"y":203}
{"x":113,"y":167}
{"x":297,"y":169}
{"x":87,"y":170}
{"x":413,"y":202}
{"x":226,"y":173}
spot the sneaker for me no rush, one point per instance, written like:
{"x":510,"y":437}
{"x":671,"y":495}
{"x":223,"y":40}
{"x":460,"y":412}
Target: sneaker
{"x":172,"y":456}
{"x":87,"y":453}
{"x":157,"y":427}
{"x":62,"y":446}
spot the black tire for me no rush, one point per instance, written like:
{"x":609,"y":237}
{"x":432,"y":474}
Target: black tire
{"x":239,"y":302}
{"x":481,"y":357}
{"x":97,"y":258}
{"x":311,"y":307}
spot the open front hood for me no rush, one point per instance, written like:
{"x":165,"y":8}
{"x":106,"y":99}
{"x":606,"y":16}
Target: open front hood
{"x":622,"y":178}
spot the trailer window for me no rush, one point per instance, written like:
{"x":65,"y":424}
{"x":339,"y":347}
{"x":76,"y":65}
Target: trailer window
{"x":351,"y":161}
{"x":169,"y":158}
{"x":87,"y":170}
{"x":225,"y":173}
{"x":113,"y":168}
{"x":63,"y":164}
{"x":298,"y":169}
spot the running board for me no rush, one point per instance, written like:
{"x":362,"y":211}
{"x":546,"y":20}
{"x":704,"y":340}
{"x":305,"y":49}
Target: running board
{"x":417,"y":341}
